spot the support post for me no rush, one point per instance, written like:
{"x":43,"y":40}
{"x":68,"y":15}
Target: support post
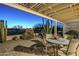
{"x":51,"y":27}
{"x":55,"y":29}
{"x":64,"y":29}
{"x":43,"y":24}
{"x":5,"y":31}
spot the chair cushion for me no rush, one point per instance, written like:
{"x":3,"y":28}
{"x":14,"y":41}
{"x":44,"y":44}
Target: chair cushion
{"x":73,"y":45}
{"x":72,"y":48}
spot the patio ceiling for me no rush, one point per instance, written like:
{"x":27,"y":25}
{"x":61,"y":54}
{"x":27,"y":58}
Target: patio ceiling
{"x":63,"y":12}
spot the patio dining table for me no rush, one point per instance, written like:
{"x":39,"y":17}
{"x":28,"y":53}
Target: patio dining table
{"x":57,"y":43}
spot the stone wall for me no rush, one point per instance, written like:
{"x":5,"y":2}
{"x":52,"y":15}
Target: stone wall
{"x":71,"y":26}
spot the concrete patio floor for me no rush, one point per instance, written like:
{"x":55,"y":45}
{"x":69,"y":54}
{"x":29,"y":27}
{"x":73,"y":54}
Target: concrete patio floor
{"x":6,"y":48}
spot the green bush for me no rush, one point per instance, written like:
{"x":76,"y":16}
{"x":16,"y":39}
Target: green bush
{"x":69,"y":37}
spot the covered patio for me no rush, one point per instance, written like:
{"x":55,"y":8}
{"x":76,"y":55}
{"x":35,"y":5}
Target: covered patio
{"x":66,"y":13}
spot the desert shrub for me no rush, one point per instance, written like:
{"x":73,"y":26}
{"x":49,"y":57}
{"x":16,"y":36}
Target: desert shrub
{"x":21,"y":37}
{"x":15,"y":38}
{"x":29,"y":34}
{"x":69,"y":37}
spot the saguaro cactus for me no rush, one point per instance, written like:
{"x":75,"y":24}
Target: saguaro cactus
{"x":47,"y":26}
{"x":3,"y":31}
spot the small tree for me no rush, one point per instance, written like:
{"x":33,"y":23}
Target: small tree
{"x":38,"y":28}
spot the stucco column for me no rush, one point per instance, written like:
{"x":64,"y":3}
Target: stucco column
{"x":64,"y":29}
{"x":55,"y":29}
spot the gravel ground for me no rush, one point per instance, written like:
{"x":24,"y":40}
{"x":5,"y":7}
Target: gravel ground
{"x":6,"y":48}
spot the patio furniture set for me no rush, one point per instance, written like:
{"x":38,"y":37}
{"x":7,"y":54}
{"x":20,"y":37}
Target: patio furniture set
{"x":63,"y":46}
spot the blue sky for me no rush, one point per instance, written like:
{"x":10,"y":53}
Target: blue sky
{"x":17,"y":17}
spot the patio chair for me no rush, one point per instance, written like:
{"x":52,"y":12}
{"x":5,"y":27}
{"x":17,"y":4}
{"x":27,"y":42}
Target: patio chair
{"x":50,"y":47}
{"x":71,"y":50}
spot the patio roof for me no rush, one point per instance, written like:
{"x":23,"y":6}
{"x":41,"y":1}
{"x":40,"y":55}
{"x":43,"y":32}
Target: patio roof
{"x":62,"y":12}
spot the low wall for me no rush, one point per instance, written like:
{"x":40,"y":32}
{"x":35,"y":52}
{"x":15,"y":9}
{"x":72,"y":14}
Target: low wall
{"x":10,"y":37}
{"x":72,"y":26}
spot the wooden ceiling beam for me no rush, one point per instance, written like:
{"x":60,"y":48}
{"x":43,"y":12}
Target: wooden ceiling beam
{"x":33,"y":5}
{"x":61,"y":13}
{"x":36,"y":5}
{"x":62,"y":8}
{"x":49,"y":7}
{"x":67,"y":11}
{"x":55,"y":9}
{"x":50,"y":13}
{"x":71,"y":16}
{"x":67,"y":16}
{"x":71,"y":19}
